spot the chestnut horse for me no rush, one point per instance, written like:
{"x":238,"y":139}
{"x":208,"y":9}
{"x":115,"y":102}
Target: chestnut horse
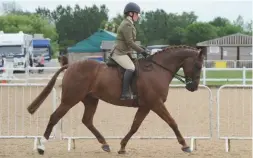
{"x":88,"y":81}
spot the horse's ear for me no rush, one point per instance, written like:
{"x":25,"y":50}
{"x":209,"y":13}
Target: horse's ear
{"x":200,"y":53}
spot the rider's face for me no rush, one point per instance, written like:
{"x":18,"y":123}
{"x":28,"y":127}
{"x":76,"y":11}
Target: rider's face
{"x":135,"y":16}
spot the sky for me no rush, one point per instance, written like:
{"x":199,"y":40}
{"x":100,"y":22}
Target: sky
{"x":206,"y":10}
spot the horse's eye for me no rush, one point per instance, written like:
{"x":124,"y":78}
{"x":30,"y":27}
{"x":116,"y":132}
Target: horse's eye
{"x":199,"y":67}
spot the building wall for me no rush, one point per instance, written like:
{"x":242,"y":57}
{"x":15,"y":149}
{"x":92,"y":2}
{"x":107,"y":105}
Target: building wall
{"x":231,"y":53}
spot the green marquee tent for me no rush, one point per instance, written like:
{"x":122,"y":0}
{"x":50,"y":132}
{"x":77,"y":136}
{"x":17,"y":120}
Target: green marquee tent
{"x":92,"y":43}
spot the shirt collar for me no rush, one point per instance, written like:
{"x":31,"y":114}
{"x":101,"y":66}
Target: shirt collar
{"x":130,"y":19}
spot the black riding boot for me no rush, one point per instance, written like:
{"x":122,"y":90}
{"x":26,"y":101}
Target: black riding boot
{"x":126,"y":84}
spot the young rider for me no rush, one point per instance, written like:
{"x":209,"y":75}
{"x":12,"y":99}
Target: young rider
{"x":125,"y":44}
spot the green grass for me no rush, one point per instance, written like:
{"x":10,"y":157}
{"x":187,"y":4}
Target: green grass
{"x":226,"y":74}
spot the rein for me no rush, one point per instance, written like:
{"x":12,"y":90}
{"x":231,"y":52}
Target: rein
{"x":179,"y":77}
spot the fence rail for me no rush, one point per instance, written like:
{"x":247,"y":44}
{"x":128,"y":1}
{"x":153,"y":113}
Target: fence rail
{"x":188,"y":131}
{"x":233,"y":108}
{"x":234,"y":113}
{"x":218,"y":75}
{"x":67,"y":128}
{"x":228,"y":63}
{"x":15,"y":121}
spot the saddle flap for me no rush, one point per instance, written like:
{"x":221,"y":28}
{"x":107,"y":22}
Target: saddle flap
{"x":111,"y":62}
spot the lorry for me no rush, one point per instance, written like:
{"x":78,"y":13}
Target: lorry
{"x":19,"y":46}
{"x":42,"y":46}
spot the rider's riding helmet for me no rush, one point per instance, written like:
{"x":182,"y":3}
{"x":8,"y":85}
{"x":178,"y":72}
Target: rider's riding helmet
{"x":132,"y":7}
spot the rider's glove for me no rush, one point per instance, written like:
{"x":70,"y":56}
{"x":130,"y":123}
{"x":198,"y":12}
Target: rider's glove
{"x":145,"y":54}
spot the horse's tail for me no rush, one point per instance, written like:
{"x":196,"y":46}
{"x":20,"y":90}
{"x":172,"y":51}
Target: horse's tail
{"x":43,"y":95}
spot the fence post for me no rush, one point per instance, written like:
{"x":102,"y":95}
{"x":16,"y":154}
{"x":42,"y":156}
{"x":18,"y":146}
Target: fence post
{"x":244,"y":75}
{"x":27,"y":68}
{"x":204,"y":75}
{"x":235,"y":64}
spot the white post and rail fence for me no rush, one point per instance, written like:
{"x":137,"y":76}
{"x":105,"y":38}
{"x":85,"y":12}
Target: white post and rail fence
{"x":237,"y":75}
{"x":232,"y":123}
{"x":233,"y":103}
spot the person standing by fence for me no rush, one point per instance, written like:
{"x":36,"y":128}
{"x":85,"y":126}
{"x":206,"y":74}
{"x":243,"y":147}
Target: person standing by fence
{"x":41,"y":62}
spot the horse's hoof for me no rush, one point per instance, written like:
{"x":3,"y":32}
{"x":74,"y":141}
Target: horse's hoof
{"x":40,"y":151}
{"x":187,"y":149}
{"x":121,"y":152}
{"x":106,"y":148}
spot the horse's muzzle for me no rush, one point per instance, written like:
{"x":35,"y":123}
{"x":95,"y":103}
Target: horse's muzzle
{"x":192,"y":86}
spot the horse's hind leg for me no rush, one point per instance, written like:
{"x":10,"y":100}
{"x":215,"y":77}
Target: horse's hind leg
{"x":162,"y":112}
{"x":54,"y":118}
{"x":140,"y":115}
{"x":90,"y":104}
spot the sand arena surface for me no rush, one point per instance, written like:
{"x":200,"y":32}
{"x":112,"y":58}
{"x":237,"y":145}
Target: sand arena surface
{"x":190,"y":110}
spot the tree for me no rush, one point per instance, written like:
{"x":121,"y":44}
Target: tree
{"x":220,"y":22}
{"x":228,"y":30}
{"x":154,"y":27}
{"x":198,"y":32}
{"x":110,"y":26}
{"x":45,"y":14}
{"x":113,"y":24}
{"x":29,"y":24}
{"x":75,"y":24}
{"x":248,"y":28}
{"x":239,"y":21}
{"x":158,"y":27}
{"x":118,"y":19}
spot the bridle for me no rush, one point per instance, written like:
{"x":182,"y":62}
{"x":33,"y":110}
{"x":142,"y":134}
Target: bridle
{"x":187,"y":80}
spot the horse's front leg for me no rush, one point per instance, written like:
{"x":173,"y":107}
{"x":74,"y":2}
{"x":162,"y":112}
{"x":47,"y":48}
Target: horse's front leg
{"x":140,"y":115}
{"x":163,"y":113}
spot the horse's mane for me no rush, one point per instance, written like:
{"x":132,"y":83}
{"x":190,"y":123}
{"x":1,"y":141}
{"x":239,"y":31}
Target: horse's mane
{"x":171,"y":49}
{"x":175,"y":47}
{"x":63,"y":59}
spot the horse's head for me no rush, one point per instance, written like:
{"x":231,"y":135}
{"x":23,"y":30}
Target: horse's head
{"x":190,"y":59}
{"x":192,"y":67}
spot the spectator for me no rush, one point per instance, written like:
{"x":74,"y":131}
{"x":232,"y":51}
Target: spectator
{"x":41,"y":61}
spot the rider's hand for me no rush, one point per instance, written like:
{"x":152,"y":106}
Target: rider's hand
{"x":145,"y":54}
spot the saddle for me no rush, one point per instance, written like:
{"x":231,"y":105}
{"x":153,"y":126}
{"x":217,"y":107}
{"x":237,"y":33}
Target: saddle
{"x":133,"y":88}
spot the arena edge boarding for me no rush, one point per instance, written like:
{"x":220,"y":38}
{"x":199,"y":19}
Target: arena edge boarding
{"x":72,"y":139}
